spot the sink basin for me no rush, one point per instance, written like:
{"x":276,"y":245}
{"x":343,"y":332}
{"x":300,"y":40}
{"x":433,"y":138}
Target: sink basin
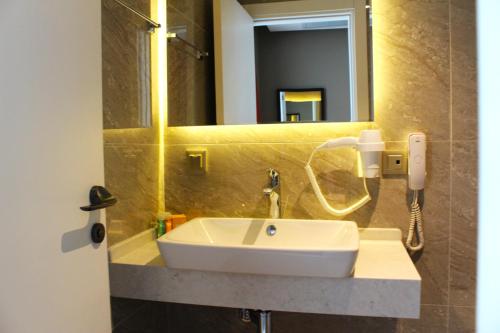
{"x":316,"y":248}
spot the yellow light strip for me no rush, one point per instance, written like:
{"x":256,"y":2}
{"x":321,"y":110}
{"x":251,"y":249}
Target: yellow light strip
{"x":303,"y":96}
{"x":159,"y":73}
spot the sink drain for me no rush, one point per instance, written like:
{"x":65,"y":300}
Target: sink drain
{"x":271,"y":230}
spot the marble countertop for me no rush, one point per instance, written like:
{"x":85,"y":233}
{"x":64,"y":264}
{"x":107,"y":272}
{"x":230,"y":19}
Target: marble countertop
{"x":385,"y":282}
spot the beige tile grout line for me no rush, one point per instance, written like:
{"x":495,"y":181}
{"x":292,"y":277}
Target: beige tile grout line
{"x":450,"y":45}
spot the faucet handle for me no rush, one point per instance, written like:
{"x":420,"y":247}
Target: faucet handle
{"x":273,"y":172}
{"x":275,"y":177}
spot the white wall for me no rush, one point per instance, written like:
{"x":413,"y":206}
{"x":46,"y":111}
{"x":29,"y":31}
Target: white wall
{"x":488,"y":315}
{"x":236,"y":97}
{"x":300,"y":60}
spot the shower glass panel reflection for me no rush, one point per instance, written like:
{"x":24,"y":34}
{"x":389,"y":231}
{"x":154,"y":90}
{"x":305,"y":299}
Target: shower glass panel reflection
{"x":126,"y":53}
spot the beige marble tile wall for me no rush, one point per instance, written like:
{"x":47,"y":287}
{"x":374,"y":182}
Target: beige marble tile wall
{"x":425,"y":80}
{"x":130,"y":155}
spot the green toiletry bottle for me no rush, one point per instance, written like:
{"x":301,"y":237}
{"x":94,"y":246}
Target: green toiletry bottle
{"x":161,"y":227}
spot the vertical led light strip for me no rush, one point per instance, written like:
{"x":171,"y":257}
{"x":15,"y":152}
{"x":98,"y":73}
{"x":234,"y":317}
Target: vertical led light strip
{"x":159,"y":76}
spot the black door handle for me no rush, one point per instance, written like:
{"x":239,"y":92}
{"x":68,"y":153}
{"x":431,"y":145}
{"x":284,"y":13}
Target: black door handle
{"x":99,"y":198}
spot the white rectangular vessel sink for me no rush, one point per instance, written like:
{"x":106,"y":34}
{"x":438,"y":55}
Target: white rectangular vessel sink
{"x":316,"y":248}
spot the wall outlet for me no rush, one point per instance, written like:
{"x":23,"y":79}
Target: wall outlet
{"x":394,"y":163}
{"x":198,"y":156}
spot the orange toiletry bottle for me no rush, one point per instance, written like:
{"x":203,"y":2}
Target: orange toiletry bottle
{"x":177,"y":220}
{"x":168,"y":225}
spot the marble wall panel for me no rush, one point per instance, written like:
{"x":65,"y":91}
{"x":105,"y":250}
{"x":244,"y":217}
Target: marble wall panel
{"x":463,"y":249}
{"x":131,"y":173}
{"x":463,"y":224}
{"x":191,"y":81}
{"x":123,"y":309}
{"x":412,"y":68}
{"x":433,"y":319}
{"x":199,"y":12}
{"x":242,"y":171}
{"x":463,"y":69}
{"x":462,"y":319}
{"x":157,"y":317}
{"x":286,"y":322}
{"x":126,"y":48}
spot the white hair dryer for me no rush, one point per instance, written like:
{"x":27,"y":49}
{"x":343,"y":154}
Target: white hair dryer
{"x":369,"y":146}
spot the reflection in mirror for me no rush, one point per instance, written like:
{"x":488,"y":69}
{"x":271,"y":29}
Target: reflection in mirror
{"x":306,"y":52}
{"x":126,"y":59}
{"x":262,"y":47}
{"x":301,"y":105}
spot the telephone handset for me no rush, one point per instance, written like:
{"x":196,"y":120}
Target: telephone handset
{"x":416,"y":161}
{"x":416,"y":182}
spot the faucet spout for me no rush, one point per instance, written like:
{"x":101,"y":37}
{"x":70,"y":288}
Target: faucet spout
{"x":274,"y":208}
{"x":274,"y":194}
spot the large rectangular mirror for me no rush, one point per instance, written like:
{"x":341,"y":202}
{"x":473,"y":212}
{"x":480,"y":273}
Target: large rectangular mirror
{"x":278,"y":62}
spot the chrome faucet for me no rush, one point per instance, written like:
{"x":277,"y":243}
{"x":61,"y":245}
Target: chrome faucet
{"x":274,"y":194}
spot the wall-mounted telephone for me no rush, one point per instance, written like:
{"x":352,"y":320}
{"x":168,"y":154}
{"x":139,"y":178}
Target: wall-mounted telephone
{"x":416,"y":161}
{"x":416,"y":181}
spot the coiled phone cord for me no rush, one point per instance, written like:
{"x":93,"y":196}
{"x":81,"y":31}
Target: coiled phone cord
{"x":415,"y":220}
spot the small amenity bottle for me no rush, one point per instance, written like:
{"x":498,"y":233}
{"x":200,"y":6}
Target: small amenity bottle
{"x":161,"y":223}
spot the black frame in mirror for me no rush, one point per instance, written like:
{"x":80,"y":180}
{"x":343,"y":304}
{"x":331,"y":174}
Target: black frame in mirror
{"x":283,"y":115}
